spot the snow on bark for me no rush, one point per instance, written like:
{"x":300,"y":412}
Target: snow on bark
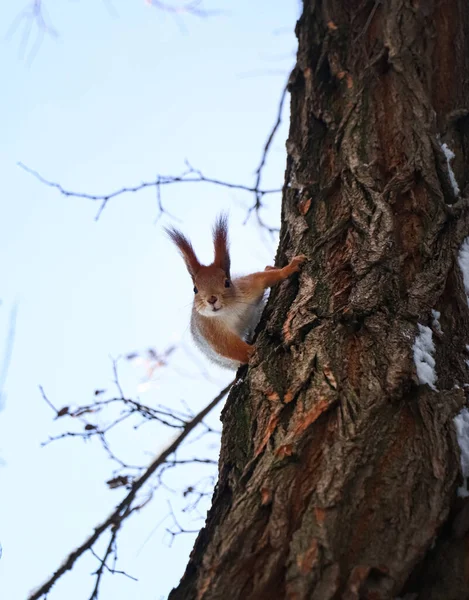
{"x":463,"y":261}
{"x":449,"y":157}
{"x":461,"y":422}
{"x":424,"y":348}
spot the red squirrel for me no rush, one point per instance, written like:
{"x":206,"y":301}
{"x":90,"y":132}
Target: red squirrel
{"x":226,"y":310}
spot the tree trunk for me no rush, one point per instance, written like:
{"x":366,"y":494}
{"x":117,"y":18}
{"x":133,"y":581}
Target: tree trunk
{"x":339,"y":468}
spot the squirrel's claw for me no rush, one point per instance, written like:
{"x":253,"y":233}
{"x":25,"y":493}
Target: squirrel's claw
{"x":296,"y":262}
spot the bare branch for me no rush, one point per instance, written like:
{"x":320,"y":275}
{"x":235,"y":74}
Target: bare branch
{"x":34,"y":18}
{"x":258,"y":198}
{"x":110,"y":550}
{"x":192,"y":7}
{"x":125,"y":508}
{"x":57,"y":412}
{"x":34,"y":15}
{"x":91,"y":429}
{"x":179,"y":529}
{"x":271,"y":137}
{"x":189,"y":176}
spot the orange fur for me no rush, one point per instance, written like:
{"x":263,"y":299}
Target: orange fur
{"x":256,"y":283}
{"x":225,"y":311}
{"x":220,"y":243}
{"x":225,"y":342}
{"x":186,"y":250}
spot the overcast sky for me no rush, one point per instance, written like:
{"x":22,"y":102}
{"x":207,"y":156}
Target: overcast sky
{"x":120,"y":96}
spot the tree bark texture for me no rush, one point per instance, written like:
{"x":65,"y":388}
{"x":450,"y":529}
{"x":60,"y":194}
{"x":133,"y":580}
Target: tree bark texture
{"x":338,"y":470}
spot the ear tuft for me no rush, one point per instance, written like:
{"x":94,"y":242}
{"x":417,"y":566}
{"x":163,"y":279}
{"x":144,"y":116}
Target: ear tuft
{"x":220,"y":242}
{"x":186,"y":250}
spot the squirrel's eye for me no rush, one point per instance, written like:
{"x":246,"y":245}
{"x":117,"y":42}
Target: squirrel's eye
{"x":195,"y":290}
{"x":227,"y":283}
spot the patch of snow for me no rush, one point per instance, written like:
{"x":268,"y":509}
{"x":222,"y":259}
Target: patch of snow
{"x":449,"y":157}
{"x":436,"y":321}
{"x":463,"y":261}
{"x":461,"y":422}
{"x":424,"y":349}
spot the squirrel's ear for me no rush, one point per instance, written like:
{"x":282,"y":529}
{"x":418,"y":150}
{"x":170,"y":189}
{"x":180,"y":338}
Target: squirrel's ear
{"x":186,"y":250}
{"x":220,"y":242}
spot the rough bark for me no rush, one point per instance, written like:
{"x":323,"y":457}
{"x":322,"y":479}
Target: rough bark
{"x":338,"y":471}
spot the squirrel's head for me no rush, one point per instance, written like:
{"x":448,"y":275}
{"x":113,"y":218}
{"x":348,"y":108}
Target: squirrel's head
{"x":212,"y":284}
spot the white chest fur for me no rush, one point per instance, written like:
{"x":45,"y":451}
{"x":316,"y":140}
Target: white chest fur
{"x":240,"y":318}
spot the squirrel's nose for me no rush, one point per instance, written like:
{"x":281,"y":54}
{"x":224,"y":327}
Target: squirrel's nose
{"x":212,"y":299}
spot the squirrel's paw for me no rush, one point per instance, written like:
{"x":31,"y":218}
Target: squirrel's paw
{"x":296,"y":262}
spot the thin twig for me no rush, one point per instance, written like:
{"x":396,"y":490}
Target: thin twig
{"x":193,"y":7}
{"x":41,"y":389}
{"x":258,"y":198}
{"x":34,"y":14}
{"x":270,"y":138}
{"x":192,"y":176}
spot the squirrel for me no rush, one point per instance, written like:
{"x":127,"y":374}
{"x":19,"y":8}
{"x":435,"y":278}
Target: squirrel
{"x":225,"y":311}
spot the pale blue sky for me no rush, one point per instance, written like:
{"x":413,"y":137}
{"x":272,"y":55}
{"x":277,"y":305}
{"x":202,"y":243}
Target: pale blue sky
{"x":112,"y":102}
